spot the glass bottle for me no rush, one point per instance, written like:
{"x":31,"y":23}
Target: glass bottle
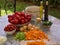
{"x":41,"y":9}
{"x":46,"y":11}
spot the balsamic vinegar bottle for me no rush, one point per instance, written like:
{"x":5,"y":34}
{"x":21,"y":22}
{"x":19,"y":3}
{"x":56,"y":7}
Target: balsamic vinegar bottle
{"x":46,"y":11}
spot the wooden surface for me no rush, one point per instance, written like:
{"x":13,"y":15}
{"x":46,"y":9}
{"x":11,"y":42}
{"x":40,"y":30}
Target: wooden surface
{"x":53,"y":32}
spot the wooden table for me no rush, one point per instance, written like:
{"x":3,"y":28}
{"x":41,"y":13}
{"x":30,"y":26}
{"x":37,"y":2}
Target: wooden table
{"x":53,"y":32}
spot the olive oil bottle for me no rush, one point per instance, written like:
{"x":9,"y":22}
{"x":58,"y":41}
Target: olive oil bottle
{"x":41,"y":9}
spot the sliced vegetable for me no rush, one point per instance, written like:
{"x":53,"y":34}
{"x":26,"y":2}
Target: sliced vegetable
{"x":20,"y":36}
{"x":35,"y":35}
{"x":47,"y":23}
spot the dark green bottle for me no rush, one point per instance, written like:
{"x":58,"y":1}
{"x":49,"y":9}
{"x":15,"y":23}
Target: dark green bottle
{"x":46,"y":11}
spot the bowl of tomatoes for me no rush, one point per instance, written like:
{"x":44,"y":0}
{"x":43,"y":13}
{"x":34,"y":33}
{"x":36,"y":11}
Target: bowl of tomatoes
{"x":19,"y":18}
{"x":10,"y":29}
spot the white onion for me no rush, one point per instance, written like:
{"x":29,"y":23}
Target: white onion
{"x":2,"y":39}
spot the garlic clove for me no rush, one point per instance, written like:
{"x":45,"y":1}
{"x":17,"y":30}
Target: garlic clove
{"x":38,"y":19}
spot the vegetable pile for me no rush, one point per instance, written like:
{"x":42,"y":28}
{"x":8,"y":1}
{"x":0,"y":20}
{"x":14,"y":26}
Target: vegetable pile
{"x":35,"y":35}
{"x":47,"y":23}
{"x":19,"y":18}
{"x":10,"y":27}
{"x":20,"y":36}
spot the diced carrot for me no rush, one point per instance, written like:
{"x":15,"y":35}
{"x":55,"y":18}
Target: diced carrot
{"x":35,"y":35}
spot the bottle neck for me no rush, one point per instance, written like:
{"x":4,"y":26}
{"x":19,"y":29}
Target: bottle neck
{"x":46,"y":2}
{"x":41,"y":2}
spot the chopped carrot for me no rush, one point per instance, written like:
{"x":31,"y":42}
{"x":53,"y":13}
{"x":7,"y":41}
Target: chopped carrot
{"x":35,"y":35}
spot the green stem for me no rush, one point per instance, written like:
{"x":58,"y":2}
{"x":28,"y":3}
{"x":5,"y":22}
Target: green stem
{"x":0,"y":10}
